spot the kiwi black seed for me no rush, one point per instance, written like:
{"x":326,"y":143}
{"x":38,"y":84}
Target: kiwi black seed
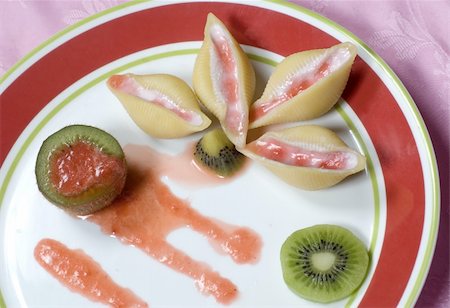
{"x":323,"y":263}
{"x":216,"y":152}
{"x":88,"y":198}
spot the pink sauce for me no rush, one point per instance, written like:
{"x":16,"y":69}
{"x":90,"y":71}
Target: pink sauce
{"x":180,"y":168}
{"x":228,"y":83}
{"x":130,"y":86}
{"x":148,"y":211}
{"x":295,"y":86}
{"x":82,"y":166}
{"x":288,"y":154}
{"x":81,"y":274}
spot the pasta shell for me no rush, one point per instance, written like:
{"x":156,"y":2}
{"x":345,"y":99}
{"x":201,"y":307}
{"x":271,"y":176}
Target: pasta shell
{"x":304,"y":86}
{"x":163,"y":106}
{"x":224,"y":80}
{"x":308,"y":157}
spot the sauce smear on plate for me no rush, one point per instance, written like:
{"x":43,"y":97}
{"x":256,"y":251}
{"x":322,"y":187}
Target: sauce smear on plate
{"x":181,"y":168}
{"x":81,"y":274}
{"x":147,"y":212}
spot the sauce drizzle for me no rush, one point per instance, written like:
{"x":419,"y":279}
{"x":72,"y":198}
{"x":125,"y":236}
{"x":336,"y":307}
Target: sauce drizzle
{"x":147,"y":212}
{"x":143,"y":216}
{"x":81,"y":274}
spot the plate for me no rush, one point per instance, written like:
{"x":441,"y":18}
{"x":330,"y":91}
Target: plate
{"x":393,"y":206}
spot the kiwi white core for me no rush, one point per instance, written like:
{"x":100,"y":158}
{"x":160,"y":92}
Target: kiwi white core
{"x":323,"y":261}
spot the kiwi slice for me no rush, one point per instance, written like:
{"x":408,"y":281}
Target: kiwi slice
{"x":323,"y":263}
{"x":80,"y":169}
{"x":216,"y":152}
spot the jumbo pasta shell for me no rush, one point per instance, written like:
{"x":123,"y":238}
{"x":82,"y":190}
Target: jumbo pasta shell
{"x":308,"y":157}
{"x":162,"y":105}
{"x":304,"y":86}
{"x":224,"y":80}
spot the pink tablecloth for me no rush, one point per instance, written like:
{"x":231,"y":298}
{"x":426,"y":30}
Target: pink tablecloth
{"x":412,"y":36}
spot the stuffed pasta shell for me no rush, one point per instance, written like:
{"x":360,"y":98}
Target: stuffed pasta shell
{"x":162,"y":105}
{"x":308,"y":157}
{"x":224,"y":80}
{"x":304,"y":86}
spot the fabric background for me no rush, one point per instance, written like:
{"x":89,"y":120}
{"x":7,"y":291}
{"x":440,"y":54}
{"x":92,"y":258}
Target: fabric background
{"x":413,"y":37}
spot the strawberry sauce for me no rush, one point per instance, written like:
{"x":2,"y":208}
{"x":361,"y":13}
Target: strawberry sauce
{"x":147,"y":212}
{"x":81,"y":166}
{"x":81,"y":274}
{"x":181,"y":168}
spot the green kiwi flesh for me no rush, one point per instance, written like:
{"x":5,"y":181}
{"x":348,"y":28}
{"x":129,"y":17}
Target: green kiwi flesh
{"x":93,"y":198}
{"x":323,"y":263}
{"x":216,"y":152}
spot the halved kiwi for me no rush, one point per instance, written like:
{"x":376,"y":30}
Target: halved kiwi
{"x":216,"y":152}
{"x":324,"y":263}
{"x":80,"y":169}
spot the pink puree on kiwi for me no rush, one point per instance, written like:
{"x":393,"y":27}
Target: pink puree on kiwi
{"x":80,"y":166}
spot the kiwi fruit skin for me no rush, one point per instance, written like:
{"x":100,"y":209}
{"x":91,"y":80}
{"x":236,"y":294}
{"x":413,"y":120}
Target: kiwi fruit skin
{"x":345,"y":276}
{"x":94,"y":198}
{"x":216,"y":153}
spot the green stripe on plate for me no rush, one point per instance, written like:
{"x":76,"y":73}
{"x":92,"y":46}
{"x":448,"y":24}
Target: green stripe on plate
{"x":2,"y":302}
